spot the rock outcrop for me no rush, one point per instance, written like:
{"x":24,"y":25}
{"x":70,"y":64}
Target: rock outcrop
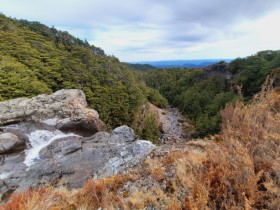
{"x":64,"y":109}
{"x":221,"y":69}
{"x":10,"y":143}
{"x":56,"y":140}
{"x":71,"y":159}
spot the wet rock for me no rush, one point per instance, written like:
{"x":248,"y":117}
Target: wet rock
{"x":83,"y":127}
{"x":70,"y":160}
{"x":99,"y":156}
{"x":61,"y":147}
{"x":5,"y":191}
{"x":10,"y":143}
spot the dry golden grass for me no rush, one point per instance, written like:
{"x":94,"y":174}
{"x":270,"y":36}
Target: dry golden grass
{"x":240,"y":169}
{"x":257,"y":128}
{"x":94,"y":194}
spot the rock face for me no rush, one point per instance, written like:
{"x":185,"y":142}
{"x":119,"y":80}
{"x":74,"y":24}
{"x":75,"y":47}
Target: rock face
{"x":10,"y":143}
{"x":221,"y":69}
{"x":56,"y":140}
{"x":65,"y":109}
{"x":69,"y":159}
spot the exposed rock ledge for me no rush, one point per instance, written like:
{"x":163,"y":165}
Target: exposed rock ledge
{"x":56,"y":140}
{"x":64,"y":109}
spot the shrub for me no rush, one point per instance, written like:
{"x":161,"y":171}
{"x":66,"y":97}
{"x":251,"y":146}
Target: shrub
{"x":150,"y":129}
{"x":156,"y":98}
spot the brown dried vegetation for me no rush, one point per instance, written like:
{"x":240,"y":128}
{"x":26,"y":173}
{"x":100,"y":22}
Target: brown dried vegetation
{"x":240,"y":169}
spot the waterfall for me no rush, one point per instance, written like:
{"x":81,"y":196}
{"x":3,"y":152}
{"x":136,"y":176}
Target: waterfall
{"x":38,"y":140}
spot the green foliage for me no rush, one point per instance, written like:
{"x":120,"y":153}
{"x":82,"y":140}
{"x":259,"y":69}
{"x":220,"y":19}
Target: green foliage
{"x":253,"y":70}
{"x":60,"y":38}
{"x":209,"y":120}
{"x":171,"y":82}
{"x":16,"y":80}
{"x":156,"y":98}
{"x":141,"y":67}
{"x":203,"y":102}
{"x":199,"y":98}
{"x":36,"y":59}
{"x":276,"y":75}
{"x":150,"y":129}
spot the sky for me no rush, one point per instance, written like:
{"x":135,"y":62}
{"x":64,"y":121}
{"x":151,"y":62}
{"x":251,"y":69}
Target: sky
{"x":148,"y":30}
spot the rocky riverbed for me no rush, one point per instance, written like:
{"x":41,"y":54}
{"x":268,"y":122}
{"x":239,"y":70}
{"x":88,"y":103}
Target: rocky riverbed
{"x":174,"y":126}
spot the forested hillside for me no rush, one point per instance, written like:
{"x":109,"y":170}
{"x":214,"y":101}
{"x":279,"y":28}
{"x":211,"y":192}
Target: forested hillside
{"x":141,"y":67}
{"x":251,"y":72}
{"x":36,"y":59}
{"x":202,"y":93}
{"x":200,"y":99}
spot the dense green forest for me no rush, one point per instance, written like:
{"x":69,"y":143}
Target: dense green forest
{"x":201,"y":93}
{"x":37,"y":59}
{"x":251,"y":72}
{"x":199,"y":99}
{"x":140,"y":67}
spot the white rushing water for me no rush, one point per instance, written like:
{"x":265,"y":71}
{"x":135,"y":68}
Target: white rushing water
{"x":38,"y":140}
{"x":4,"y":175}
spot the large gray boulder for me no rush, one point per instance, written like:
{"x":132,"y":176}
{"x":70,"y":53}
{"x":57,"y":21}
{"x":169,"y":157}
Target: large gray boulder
{"x":70,"y":160}
{"x":124,"y":134}
{"x":64,"y":109}
{"x":10,"y":143}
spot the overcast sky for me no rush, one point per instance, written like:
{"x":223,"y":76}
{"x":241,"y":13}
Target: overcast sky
{"x":141,"y":30}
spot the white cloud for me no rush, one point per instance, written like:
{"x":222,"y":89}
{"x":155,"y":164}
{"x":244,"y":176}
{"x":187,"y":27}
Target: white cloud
{"x":161,"y":29}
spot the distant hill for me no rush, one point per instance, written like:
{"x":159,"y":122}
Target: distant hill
{"x":184,"y":63}
{"x":140,"y":67}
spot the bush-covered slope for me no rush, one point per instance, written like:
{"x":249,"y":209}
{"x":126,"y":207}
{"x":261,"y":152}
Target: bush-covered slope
{"x":200,"y":98}
{"x":202,"y":93}
{"x":37,"y":59}
{"x":251,"y":72}
{"x":141,"y":67}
